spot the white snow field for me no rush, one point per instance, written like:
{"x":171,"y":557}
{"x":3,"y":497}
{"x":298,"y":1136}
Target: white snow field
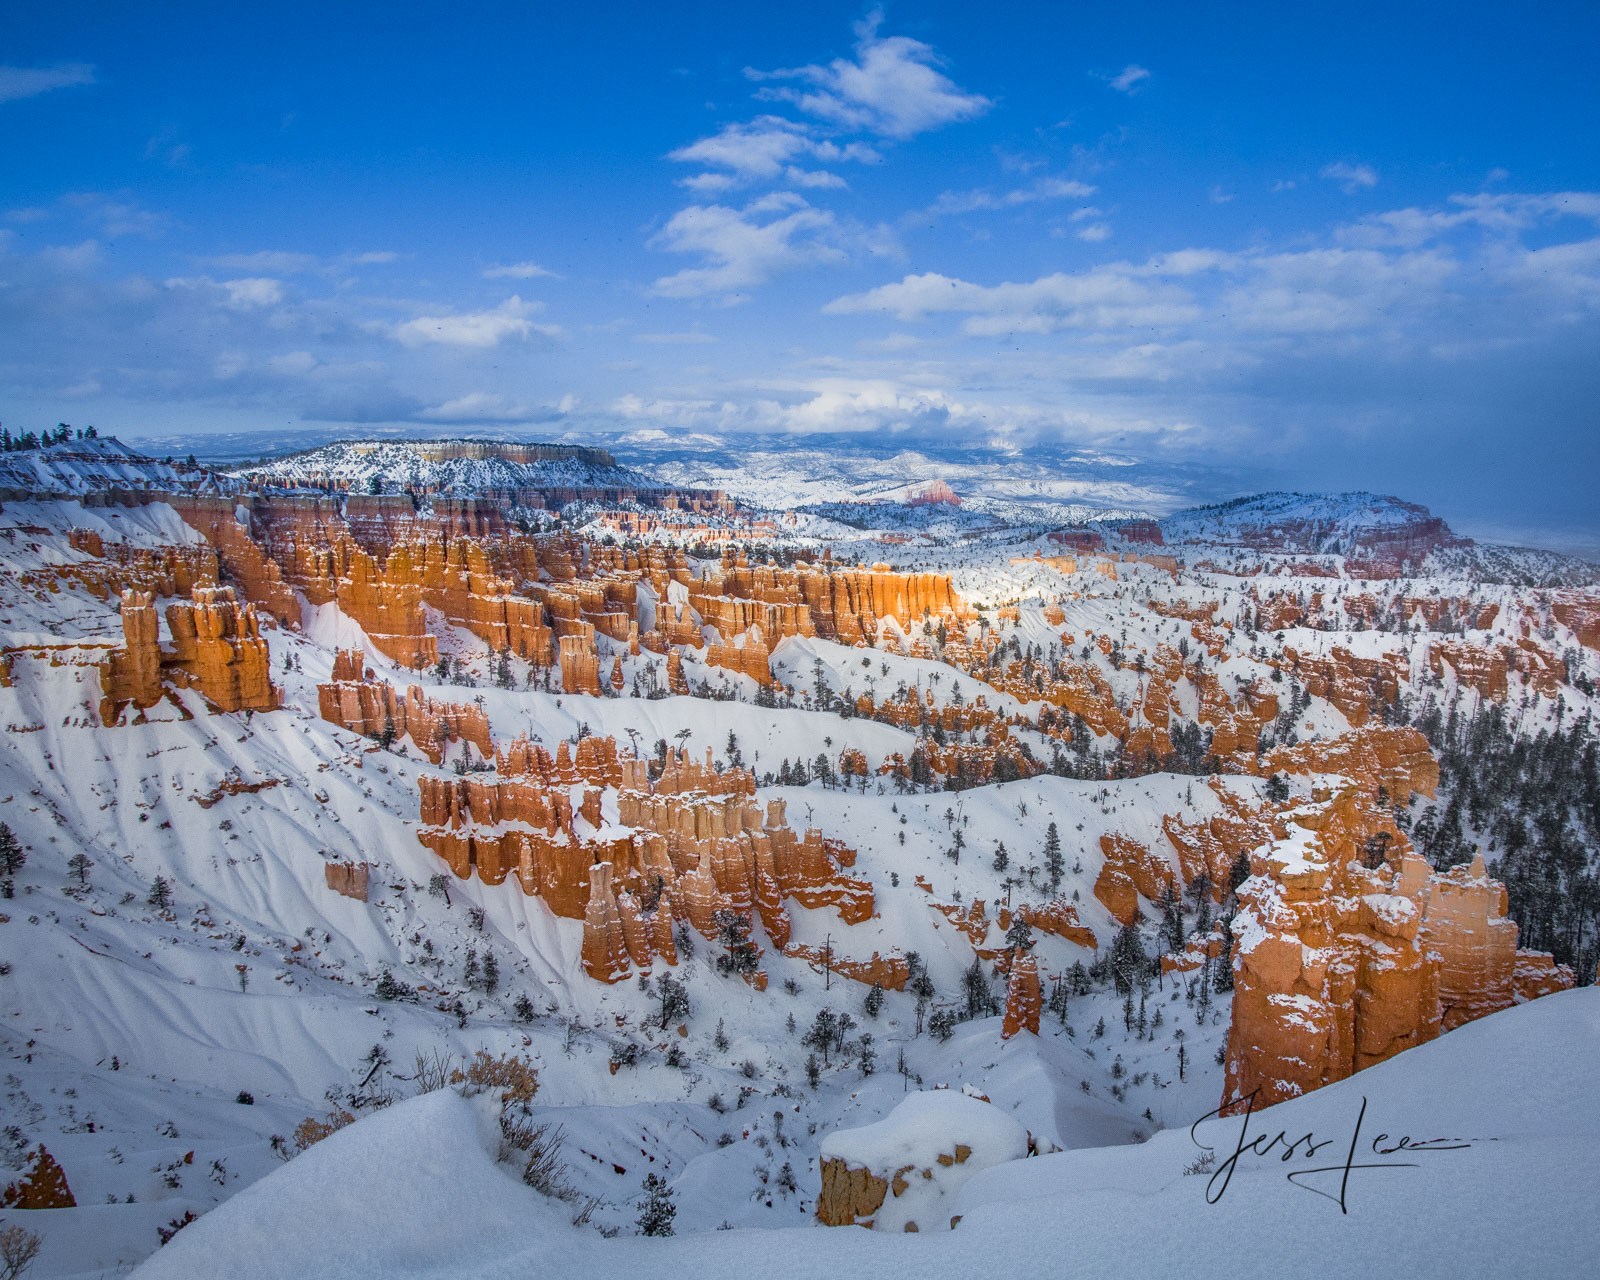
{"x":415,"y":1191}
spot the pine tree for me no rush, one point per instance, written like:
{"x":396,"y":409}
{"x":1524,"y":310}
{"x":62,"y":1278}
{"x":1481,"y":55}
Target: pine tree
{"x":822,"y":1033}
{"x":1054,"y":865}
{"x":975,"y":985}
{"x":160,"y":896}
{"x":1128,"y":960}
{"x":874,"y":1000}
{"x":11,"y":855}
{"x":491,"y":974}
{"x":391,"y":988}
{"x":658,"y":1210}
{"x":79,"y":865}
{"x":674,"y":997}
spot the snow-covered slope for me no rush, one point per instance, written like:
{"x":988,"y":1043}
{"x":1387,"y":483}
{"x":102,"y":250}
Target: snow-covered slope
{"x":452,"y":466}
{"x":1311,"y":523}
{"x":1507,"y":1103}
{"x":76,"y":467}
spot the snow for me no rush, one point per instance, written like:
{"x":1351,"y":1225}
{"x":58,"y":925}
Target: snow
{"x":115,"y":1013}
{"x":914,"y":1135}
{"x":414,"y":1191}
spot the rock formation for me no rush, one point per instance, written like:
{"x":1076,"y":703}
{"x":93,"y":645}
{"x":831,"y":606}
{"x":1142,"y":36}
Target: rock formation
{"x":1022,"y":997}
{"x":348,"y":878}
{"x":372,"y":707}
{"x":42,"y":1186}
{"x":901,"y":1173}
{"x":1342,"y":960}
{"x":216,"y":648}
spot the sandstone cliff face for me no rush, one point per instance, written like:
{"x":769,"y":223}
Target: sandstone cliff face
{"x":1394,"y":758}
{"x":348,"y":878}
{"x":1022,"y":998}
{"x":1339,"y":965}
{"x":685,"y":845}
{"x":374,"y":708}
{"x":42,"y":1185}
{"x":216,"y":648}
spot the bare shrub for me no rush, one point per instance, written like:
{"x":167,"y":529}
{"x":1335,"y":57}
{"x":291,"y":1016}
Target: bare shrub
{"x":18,"y":1248}
{"x":433,"y":1071}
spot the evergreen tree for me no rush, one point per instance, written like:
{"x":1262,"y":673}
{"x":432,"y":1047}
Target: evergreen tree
{"x":11,"y":855}
{"x":160,"y":895}
{"x":874,"y":1000}
{"x":1128,"y":960}
{"x":657,"y":1210}
{"x":491,"y":974}
{"x":674,"y":997}
{"x":822,"y":1033}
{"x":1055,"y":866}
{"x":975,"y":987}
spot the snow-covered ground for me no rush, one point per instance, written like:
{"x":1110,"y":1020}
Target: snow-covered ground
{"x":1476,"y":1154}
{"x":157,"y":1052}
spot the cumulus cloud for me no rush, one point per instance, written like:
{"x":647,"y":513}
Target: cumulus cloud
{"x":765,"y":150}
{"x":28,"y":82}
{"x":1351,"y":177}
{"x":892,"y":88}
{"x":481,"y":329}
{"x":745,"y":247}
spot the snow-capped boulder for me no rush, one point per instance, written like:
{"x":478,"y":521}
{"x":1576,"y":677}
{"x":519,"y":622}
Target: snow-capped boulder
{"x":901,"y":1173}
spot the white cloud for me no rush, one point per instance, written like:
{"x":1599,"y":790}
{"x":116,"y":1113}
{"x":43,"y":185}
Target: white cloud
{"x":26,"y":82}
{"x":690,"y":339}
{"x":1333,"y":290}
{"x":478,"y":406}
{"x":282,"y":262}
{"x":893,"y":88}
{"x":1351,"y":177}
{"x":519,"y":271}
{"x":254,"y":291}
{"x":1129,"y":78}
{"x":745,"y":247}
{"x":764,"y":150}
{"x":1114,"y":297}
{"x":277,"y":261}
{"x":115,"y":216}
{"x":481,"y":329}
{"x":957,"y":202}
{"x":1095,"y":232}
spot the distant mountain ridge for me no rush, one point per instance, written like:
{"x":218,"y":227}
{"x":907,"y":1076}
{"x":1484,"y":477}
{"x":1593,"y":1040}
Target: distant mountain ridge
{"x":457,"y":466}
{"x":1315,"y":524}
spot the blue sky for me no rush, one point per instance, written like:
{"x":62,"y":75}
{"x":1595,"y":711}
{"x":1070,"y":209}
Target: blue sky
{"x":1347,"y":245}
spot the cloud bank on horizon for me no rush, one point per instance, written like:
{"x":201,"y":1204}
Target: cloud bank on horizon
{"x":1367,"y":255}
